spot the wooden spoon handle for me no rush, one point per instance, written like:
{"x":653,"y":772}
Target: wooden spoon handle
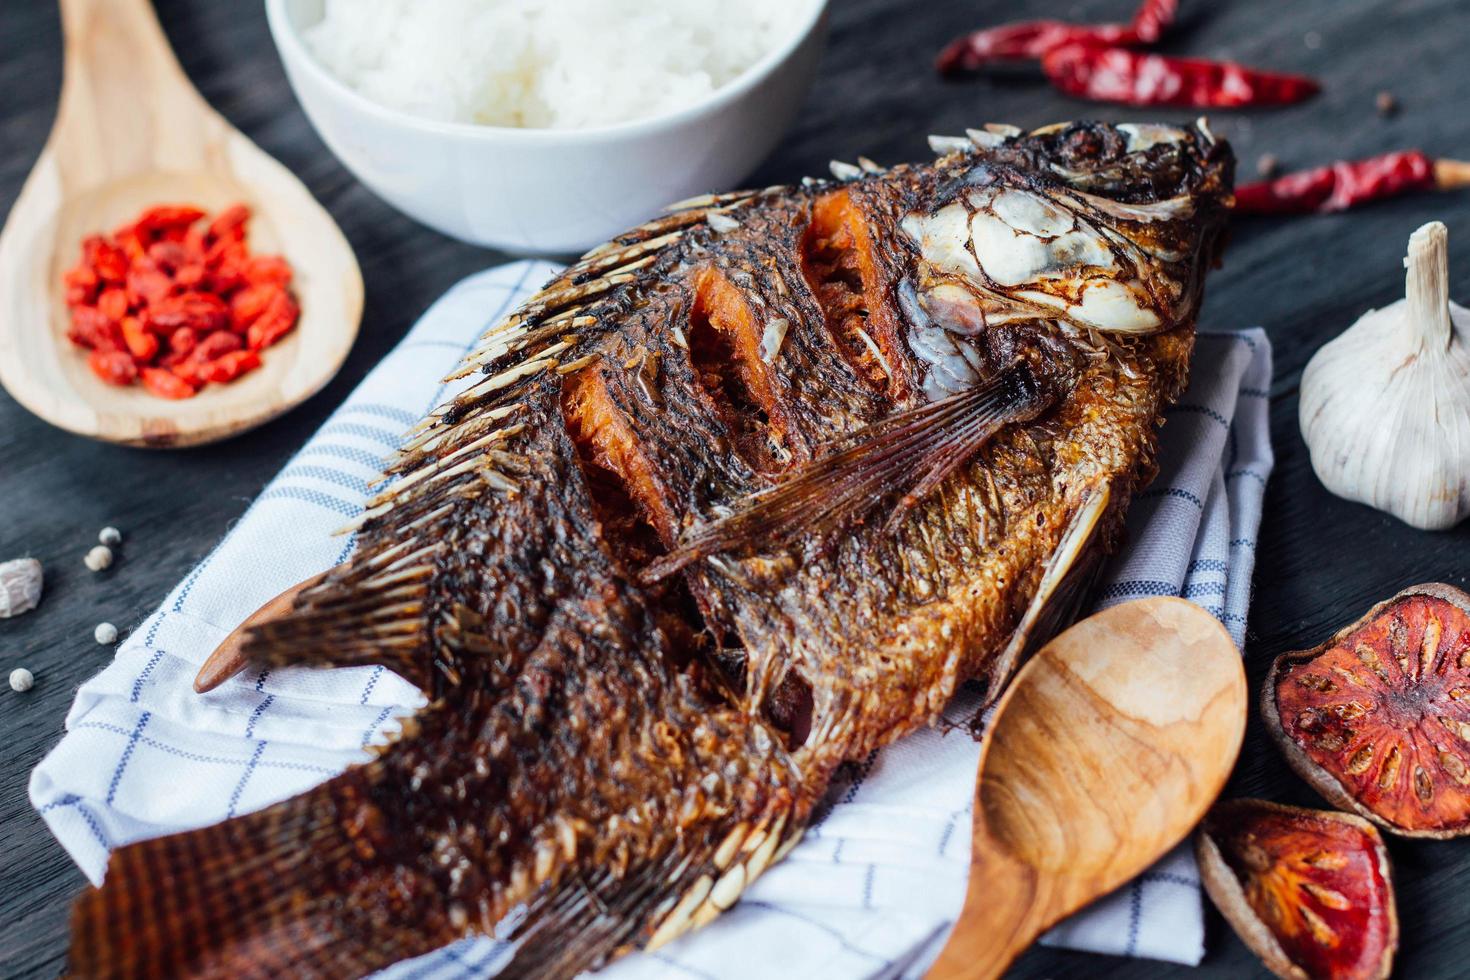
{"x":127,"y":27}
{"x":125,"y":101}
{"x":229,"y":659}
{"x":1006,"y":908}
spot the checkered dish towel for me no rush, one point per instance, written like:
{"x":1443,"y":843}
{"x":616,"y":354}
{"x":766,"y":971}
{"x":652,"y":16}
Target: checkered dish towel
{"x":874,"y":885}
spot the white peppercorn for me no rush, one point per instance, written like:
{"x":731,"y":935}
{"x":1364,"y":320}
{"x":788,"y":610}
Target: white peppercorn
{"x":110,"y":536}
{"x":105,"y":633}
{"x":99,"y":558}
{"x":21,"y":679}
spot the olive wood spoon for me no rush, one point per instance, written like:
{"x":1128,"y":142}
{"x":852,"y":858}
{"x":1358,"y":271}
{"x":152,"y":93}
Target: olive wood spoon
{"x":1105,"y":752}
{"x":132,"y":132}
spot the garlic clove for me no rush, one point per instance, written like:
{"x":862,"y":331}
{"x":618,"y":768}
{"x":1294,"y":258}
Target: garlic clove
{"x":20,"y":586}
{"x":1385,"y":408}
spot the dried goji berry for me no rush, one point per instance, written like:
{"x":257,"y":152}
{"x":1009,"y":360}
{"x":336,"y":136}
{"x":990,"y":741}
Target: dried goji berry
{"x":230,"y":223}
{"x":166,"y":384}
{"x":131,"y":242}
{"x":182,"y":341}
{"x":277,"y":321}
{"x":189,"y":275}
{"x":167,"y":216}
{"x":168,"y":255}
{"x":113,"y":366}
{"x":230,"y":366}
{"x":141,"y":344}
{"x":217,"y":344}
{"x":248,"y":304}
{"x":204,"y":312}
{"x":89,"y":328}
{"x":266,"y":269}
{"x":176,"y":299}
{"x":187,"y":370}
{"x":113,"y":303}
{"x":147,"y":284}
{"x":110,"y":263}
{"x":193,"y":241}
{"x":81,"y":285}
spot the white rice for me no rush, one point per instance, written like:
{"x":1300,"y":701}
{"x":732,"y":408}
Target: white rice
{"x":554,"y":64}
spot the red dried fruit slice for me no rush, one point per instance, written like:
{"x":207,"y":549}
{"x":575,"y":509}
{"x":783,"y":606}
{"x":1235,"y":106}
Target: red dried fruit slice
{"x":1377,"y":719}
{"x":1309,"y":891}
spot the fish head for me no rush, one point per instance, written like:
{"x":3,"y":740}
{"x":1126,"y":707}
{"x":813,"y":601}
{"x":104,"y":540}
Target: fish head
{"x":1106,"y":227}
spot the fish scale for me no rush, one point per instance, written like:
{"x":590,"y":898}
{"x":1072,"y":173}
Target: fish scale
{"x":741,"y":496}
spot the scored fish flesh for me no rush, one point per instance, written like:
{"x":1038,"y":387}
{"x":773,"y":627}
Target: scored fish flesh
{"x":739,"y":497}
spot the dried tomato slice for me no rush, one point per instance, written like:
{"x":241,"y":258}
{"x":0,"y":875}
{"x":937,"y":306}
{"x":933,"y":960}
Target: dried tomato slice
{"x":1377,"y":719}
{"x":1309,"y":891}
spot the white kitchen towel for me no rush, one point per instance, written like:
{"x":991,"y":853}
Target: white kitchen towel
{"x":879,"y":877}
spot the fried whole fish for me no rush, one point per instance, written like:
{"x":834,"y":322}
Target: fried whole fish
{"x":742,"y":495}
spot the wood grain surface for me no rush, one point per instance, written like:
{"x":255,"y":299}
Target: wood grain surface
{"x":1321,"y":561}
{"x":130,"y":132}
{"x":1106,"y":750}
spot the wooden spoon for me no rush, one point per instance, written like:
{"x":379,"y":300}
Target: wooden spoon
{"x":132,"y":132}
{"x":1107,"y":749}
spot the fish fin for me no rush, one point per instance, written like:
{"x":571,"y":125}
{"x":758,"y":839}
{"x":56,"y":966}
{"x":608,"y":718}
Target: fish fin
{"x":1065,"y":584}
{"x":284,"y":891}
{"x":909,"y":454}
{"x":582,"y":924}
{"x":369,"y":612}
{"x":229,"y":658}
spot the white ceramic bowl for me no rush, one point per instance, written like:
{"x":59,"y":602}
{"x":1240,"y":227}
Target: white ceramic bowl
{"x":549,"y":191}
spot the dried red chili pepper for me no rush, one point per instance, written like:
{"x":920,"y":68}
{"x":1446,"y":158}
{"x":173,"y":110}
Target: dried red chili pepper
{"x":1110,"y":74}
{"x":1030,"y":40}
{"x":1099,"y":62}
{"x":170,"y":298}
{"x":1348,"y":183}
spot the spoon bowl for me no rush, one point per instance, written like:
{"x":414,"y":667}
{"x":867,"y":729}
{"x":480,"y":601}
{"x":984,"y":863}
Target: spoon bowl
{"x":1105,"y":752}
{"x":131,"y":132}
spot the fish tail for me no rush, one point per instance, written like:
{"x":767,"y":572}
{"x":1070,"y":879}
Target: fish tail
{"x":302,"y":888}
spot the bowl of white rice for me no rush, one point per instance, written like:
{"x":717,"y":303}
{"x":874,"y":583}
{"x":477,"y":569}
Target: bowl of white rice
{"x":548,"y":126}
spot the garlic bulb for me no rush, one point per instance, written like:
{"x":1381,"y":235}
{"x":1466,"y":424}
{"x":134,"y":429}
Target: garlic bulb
{"x":20,"y":586}
{"x":1385,"y":408}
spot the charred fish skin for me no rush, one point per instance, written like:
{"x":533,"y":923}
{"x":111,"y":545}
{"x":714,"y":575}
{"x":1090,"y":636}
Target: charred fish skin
{"x":740,"y":496}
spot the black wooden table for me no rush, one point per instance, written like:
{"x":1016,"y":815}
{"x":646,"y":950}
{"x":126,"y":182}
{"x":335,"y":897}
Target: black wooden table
{"x":1321,"y":561}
